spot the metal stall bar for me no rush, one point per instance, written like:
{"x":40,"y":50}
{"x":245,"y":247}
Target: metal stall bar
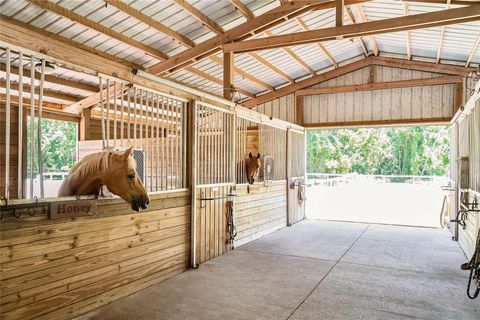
{"x":135,"y":118}
{"x":147,"y":141}
{"x":102,"y":107}
{"x":7,"y":127}
{"x":20,"y":193}
{"x":129,"y":115}
{"x":157,"y":141}
{"x":114,"y":113}
{"x":39,"y":129}
{"x":152,"y":137}
{"x":32,"y":121}
{"x":121,"y":113}
{"x":168,"y":143}
{"x":108,"y":114}
{"x":163,"y":185}
{"x":194,"y":156}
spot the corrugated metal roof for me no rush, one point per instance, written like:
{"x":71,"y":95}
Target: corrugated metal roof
{"x":457,"y":44}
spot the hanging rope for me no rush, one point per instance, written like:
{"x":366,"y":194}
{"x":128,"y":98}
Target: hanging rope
{"x":474,"y":266}
{"x":231,"y":225}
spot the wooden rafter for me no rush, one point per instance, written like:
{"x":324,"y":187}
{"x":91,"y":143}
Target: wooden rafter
{"x":339,"y":10}
{"x":404,"y":23}
{"x":321,"y":46}
{"x":243,"y":9}
{"x":408,"y":35}
{"x":53,"y":79}
{"x":442,"y":36}
{"x":94,"y":99}
{"x":363,"y":18}
{"x":50,"y":6}
{"x":351,"y":18}
{"x":263,"y":61}
{"x":421,"y":66}
{"x":382,"y":85}
{"x":472,"y":52}
{"x":257,"y":25}
{"x":206,"y":21}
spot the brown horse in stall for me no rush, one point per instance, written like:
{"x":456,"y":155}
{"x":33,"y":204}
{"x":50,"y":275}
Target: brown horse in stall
{"x":115,"y":170}
{"x":252,"y":165}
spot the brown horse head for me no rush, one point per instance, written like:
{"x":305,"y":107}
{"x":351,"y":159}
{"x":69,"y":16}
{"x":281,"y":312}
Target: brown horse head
{"x":116,"y":170}
{"x":122,"y":179}
{"x":253,"y":167}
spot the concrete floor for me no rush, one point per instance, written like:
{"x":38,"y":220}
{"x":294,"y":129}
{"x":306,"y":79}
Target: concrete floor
{"x":317,"y":270}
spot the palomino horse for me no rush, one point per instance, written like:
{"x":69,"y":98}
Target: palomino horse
{"x":253,"y":167}
{"x":115,"y":170}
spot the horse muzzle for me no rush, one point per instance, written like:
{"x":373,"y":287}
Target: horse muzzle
{"x":140,"y":203}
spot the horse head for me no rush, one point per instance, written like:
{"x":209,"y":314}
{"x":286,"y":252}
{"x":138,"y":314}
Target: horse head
{"x":122,"y":179}
{"x":253,"y":167}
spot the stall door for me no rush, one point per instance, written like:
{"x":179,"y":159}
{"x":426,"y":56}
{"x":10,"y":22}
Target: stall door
{"x":296,"y":177}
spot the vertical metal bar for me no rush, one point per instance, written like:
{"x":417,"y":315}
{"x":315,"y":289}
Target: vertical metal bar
{"x":141,"y":120}
{"x":20,"y":127}
{"x":163,"y":146}
{"x":115,"y":113}
{"x":183,"y":163}
{"x":157,"y":149}
{"x":135,"y":117}
{"x":32,"y":121}
{"x":222,"y":148}
{"x":39,"y":128}
{"x":152,"y":137}
{"x":108,"y":114}
{"x":147,"y":140}
{"x":102,"y":107}
{"x":232,"y":170}
{"x":129,"y":116}
{"x":7,"y":127}
{"x":121,"y":113}
{"x":170,"y":140}
{"x":177,"y":144}
{"x":217,"y":146}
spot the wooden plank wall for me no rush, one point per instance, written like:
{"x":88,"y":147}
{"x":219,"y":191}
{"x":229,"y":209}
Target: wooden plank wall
{"x":58,"y":269}
{"x":13,"y":149}
{"x":469,"y":142}
{"x":211,"y":221}
{"x":391,"y":104}
{"x":280,"y":108}
{"x":259,"y":210}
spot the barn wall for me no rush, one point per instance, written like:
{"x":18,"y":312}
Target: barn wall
{"x":468,"y":146}
{"x":260,"y":210}
{"x":13,"y":150}
{"x":280,"y":108}
{"x":58,"y":269}
{"x":390,"y":104}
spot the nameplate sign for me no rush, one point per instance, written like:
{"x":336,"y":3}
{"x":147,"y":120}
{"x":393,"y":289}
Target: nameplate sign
{"x":72,"y":209}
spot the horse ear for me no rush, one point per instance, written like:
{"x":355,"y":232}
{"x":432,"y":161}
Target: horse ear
{"x":258,"y":156}
{"x":128,"y":152}
{"x":250,"y":155}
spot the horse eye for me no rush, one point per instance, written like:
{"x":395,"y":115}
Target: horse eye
{"x":131,"y":176}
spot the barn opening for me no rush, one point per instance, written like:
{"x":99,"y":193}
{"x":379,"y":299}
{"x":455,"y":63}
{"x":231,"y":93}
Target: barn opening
{"x":393,"y":175}
{"x":189,"y":196}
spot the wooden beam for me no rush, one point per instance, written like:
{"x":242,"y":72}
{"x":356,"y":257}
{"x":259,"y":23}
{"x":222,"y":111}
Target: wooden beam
{"x":93,"y":99}
{"x":53,"y":79}
{"x":363,"y":18}
{"x":84,"y":128}
{"x":271,"y":66}
{"x":52,"y":7}
{"x":408,"y":35}
{"x":206,"y":21}
{"x":299,"y":110}
{"x":26,"y":102}
{"x":422,"y":66}
{"x":382,"y":85}
{"x":340,"y":5}
{"x":321,"y":46}
{"x":472,"y":52}
{"x":243,"y":9}
{"x":459,"y":96}
{"x":442,"y":36}
{"x":308,"y":82}
{"x":258,"y":24}
{"x":418,"y":21}
{"x":181,"y":39}
{"x":228,"y":75}
{"x":46,"y":92}
{"x":379,"y":123}
{"x":351,"y":17}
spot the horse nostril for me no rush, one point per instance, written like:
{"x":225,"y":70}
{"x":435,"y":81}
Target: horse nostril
{"x":147,"y":202}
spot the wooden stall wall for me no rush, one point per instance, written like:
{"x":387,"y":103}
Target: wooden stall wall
{"x":259,"y":210}
{"x":468,"y":148}
{"x":13,"y":173}
{"x":281,"y":108}
{"x":422,"y":103}
{"x":59,"y":269}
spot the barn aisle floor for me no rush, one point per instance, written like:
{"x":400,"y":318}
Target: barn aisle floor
{"x":317,"y":270}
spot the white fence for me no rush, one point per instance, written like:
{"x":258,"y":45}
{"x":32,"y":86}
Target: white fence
{"x":331,"y":180}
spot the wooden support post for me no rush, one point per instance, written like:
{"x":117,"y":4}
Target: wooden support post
{"x":372,"y":77}
{"x":228,"y":75}
{"x":85,"y":124}
{"x":299,"y":110}
{"x":192,"y":164}
{"x":459,"y":96}
{"x":340,"y":5}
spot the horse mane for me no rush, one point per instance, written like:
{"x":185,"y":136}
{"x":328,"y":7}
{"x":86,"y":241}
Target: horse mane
{"x":90,"y":164}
